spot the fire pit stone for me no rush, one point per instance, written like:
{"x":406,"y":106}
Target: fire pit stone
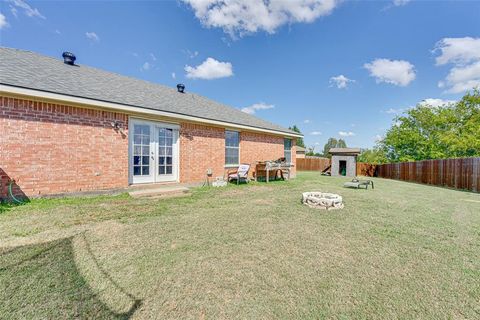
{"x":322,"y":200}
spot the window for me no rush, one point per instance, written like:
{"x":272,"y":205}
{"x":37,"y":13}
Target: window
{"x":141,"y":150}
{"x":287,"y":150}
{"x":232,"y":140}
{"x":165,"y":151}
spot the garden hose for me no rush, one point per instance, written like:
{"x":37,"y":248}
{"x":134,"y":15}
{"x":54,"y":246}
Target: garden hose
{"x":18,"y":201}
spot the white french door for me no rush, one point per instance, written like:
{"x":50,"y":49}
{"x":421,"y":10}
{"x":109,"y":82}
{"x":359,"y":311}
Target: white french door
{"x":153,"y":151}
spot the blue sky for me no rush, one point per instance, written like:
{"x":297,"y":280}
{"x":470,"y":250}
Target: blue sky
{"x":333,"y":68}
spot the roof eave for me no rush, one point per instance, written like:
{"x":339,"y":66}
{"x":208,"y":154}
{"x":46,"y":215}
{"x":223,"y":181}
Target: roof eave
{"x":9,"y":89}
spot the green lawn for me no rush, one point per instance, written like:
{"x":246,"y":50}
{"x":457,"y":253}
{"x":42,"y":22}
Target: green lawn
{"x":253,"y":251}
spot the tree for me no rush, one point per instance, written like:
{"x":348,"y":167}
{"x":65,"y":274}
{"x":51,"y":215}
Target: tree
{"x":333,"y":143}
{"x":426,"y":132}
{"x":311,"y":152}
{"x":341,"y":143}
{"x":372,"y":156}
{"x":300,"y":142}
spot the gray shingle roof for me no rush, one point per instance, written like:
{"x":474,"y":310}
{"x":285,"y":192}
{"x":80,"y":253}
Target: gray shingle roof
{"x":345,"y":150}
{"x":31,"y":70}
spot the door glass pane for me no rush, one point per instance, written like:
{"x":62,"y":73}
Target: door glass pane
{"x":136,"y":170}
{"x":165,"y":151}
{"x":141,"y":149}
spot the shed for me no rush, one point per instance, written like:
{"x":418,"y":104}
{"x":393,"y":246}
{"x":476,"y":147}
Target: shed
{"x":300,"y":152}
{"x":344,"y":161}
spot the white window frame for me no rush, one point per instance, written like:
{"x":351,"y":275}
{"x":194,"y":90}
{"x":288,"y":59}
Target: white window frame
{"x":228,"y":165}
{"x":176,"y":151}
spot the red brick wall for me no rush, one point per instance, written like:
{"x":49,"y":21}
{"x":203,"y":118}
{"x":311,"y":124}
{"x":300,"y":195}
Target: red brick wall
{"x":260,"y":147}
{"x":201,"y":148}
{"x":52,"y":148}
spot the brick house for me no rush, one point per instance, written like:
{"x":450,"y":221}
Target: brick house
{"x":66,"y":128}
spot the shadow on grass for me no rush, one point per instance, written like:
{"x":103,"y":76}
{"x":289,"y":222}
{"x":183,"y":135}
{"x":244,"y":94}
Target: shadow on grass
{"x":42,"y":281}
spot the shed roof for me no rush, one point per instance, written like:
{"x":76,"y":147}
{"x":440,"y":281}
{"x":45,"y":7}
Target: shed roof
{"x":26,"y":69}
{"x":345,"y":151}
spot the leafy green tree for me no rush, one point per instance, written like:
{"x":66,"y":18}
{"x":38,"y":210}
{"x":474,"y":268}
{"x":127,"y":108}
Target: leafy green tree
{"x":311,"y":152}
{"x":427,"y":132}
{"x":300,"y":142}
{"x":372,"y":156}
{"x":333,"y":143}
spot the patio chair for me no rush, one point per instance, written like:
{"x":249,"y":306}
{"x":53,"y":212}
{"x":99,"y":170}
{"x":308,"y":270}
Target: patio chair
{"x":356,"y":183}
{"x":241,"y":173}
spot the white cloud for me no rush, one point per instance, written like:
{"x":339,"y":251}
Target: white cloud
{"x":92,"y":36}
{"x":210,"y":69}
{"x":240,"y":17}
{"x":459,"y":51}
{"x":346,"y":133}
{"x":464,"y":55}
{"x":146,"y":66}
{"x":399,"y":3}
{"x":14,"y":11}
{"x":174,"y":76}
{"x":378,"y":137}
{"x":153,"y":57}
{"x":316,"y":133}
{"x":340,"y":81}
{"x":257,"y":106}
{"x":3,"y":21}
{"x":307,"y":121}
{"x":435,"y":103}
{"x":57,"y":31}
{"x":397,"y":72}
{"x":190,"y":54}
{"x":395,"y":111}
{"x":428,"y":102}
{"x":27,"y":9}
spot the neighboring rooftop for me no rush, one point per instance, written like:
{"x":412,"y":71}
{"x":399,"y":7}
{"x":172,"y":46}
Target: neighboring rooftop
{"x":345,"y":151}
{"x":31,"y":70}
{"x":300,"y":149}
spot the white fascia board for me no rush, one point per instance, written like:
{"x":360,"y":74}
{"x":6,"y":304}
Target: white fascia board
{"x":127,"y":108}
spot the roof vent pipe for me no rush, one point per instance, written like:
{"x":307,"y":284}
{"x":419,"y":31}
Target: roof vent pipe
{"x":181,"y":88}
{"x":69,"y":58}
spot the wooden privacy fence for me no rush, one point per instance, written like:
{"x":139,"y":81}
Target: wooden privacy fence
{"x":463,"y":173}
{"x":366,"y":169}
{"x":312,"y":164}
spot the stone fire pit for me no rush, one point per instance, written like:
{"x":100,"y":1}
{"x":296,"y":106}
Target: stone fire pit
{"x":322,"y":200}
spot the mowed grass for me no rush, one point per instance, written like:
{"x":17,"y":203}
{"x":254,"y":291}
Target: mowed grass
{"x":252,"y":251}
